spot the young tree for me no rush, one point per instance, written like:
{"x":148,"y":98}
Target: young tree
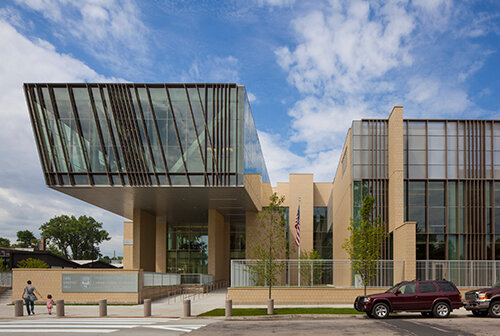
{"x":80,"y":235}
{"x":310,"y":267}
{"x":4,"y":242}
{"x":364,"y":244}
{"x":26,"y":238}
{"x":270,"y":243}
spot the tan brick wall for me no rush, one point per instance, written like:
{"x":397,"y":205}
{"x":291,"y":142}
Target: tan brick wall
{"x":128,"y":249}
{"x":322,"y":193}
{"x":405,"y":249}
{"x":313,"y":295}
{"x":49,"y":281}
{"x":342,"y":209}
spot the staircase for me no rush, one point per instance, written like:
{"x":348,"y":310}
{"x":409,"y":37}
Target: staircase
{"x":6,"y":297}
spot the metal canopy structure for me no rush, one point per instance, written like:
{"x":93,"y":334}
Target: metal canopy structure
{"x":163,"y":148}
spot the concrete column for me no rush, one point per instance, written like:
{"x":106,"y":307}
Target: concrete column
{"x":161,"y":245}
{"x":143,"y":241}
{"x":59,"y":307}
{"x":147,"y":307}
{"x":229,"y":308}
{"x":301,"y":186}
{"x":218,"y":249}
{"x":405,"y":249}
{"x":403,"y":234}
{"x":251,"y":229}
{"x":103,"y":308}
{"x":187,"y":308}
{"x":18,"y":308}
{"x":128,"y":245}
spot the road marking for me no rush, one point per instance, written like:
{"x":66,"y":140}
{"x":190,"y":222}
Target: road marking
{"x":70,"y":326}
{"x":67,"y":331}
{"x":183,"y":328}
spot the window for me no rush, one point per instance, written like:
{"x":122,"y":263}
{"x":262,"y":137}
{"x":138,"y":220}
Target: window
{"x":426,"y":287}
{"x":446,"y":286}
{"x":408,"y":288}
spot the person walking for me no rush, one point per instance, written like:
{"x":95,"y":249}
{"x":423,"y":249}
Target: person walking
{"x":50,"y":303}
{"x":30,"y":297}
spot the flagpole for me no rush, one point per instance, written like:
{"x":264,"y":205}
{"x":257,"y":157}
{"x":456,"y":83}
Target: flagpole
{"x":300,"y":241}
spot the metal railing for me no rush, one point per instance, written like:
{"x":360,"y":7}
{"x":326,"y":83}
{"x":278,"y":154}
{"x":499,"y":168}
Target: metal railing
{"x":160,"y":279}
{"x":319,"y":272}
{"x":5,"y":279}
{"x":196,"y":279}
{"x":463,"y":273}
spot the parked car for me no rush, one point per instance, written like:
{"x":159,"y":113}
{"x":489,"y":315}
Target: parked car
{"x":484,"y":301}
{"x":431,"y":298}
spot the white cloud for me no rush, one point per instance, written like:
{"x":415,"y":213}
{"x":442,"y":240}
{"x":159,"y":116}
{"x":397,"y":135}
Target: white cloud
{"x":111,"y":30}
{"x":251,"y":97}
{"x":357,"y":59}
{"x":214,"y":69}
{"x":25,"y":201}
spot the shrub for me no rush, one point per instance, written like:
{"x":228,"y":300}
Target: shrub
{"x":32,"y":263}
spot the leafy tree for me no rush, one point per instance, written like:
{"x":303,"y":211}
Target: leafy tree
{"x":364,"y":244}
{"x":32,"y":263}
{"x":310,"y":271}
{"x":26,"y":238}
{"x":4,"y":267}
{"x":4,"y":242}
{"x":270,"y":243}
{"x":75,"y":238}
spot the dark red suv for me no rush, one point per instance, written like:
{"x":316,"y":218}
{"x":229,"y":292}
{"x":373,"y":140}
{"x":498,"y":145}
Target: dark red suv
{"x":437,"y":298}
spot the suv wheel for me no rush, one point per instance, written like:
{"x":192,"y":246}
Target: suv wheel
{"x":380,"y":310}
{"x":441,"y":309}
{"x":426,"y":314}
{"x":479,"y":313}
{"x":494,"y":310}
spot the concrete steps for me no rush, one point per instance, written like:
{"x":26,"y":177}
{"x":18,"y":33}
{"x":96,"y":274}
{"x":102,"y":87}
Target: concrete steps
{"x":6,"y":297}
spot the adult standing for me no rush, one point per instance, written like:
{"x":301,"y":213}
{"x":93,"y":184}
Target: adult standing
{"x":30,"y":297}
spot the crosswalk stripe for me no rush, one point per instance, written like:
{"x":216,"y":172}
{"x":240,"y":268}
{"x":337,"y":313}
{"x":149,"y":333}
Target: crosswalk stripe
{"x":69,"y":326}
{"x":67,"y":331}
{"x":174,"y":327}
{"x":77,"y":322}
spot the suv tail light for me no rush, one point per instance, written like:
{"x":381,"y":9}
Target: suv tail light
{"x":460,"y":296}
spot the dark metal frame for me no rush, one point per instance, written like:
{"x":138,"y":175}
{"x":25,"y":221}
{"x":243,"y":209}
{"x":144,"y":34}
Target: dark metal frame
{"x":124,"y":116}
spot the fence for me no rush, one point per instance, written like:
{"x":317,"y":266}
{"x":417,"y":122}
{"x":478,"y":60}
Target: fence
{"x":160,"y":279}
{"x":322,"y":272}
{"x":5,"y":279}
{"x":463,"y":273}
{"x":196,"y":279}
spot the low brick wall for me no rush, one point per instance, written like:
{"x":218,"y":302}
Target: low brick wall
{"x":49,"y":281}
{"x":296,"y":295}
{"x":302,"y":295}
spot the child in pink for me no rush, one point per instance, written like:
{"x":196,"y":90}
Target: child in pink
{"x":50,"y":303}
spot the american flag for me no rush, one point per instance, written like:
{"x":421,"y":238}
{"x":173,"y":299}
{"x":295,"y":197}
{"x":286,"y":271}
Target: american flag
{"x":297,"y":227}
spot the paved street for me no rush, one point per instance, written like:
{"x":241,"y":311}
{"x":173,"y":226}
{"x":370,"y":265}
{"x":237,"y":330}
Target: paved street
{"x":403,"y":324}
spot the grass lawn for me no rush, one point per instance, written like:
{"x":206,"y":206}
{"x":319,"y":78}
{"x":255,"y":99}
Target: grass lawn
{"x":281,"y":311}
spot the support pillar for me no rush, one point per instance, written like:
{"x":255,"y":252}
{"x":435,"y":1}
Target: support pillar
{"x":218,"y":249}
{"x":405,"y":249}
{"x":140,"y":245}
{"x":161,"y":245}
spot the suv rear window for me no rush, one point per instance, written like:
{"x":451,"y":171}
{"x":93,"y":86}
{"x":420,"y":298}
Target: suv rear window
{"x":446,"y":286}
{"x":426,"y":287}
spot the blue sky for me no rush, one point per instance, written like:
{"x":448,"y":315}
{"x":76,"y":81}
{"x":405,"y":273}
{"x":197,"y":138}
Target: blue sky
{"x":310,"y":68}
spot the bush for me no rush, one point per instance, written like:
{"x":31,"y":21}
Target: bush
{"x":32,"y":263}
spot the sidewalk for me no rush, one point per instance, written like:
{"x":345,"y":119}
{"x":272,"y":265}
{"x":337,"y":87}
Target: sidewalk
{"x":164,"y":307}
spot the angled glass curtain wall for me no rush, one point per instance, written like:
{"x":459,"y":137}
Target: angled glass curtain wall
{"x":144,"y":134}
